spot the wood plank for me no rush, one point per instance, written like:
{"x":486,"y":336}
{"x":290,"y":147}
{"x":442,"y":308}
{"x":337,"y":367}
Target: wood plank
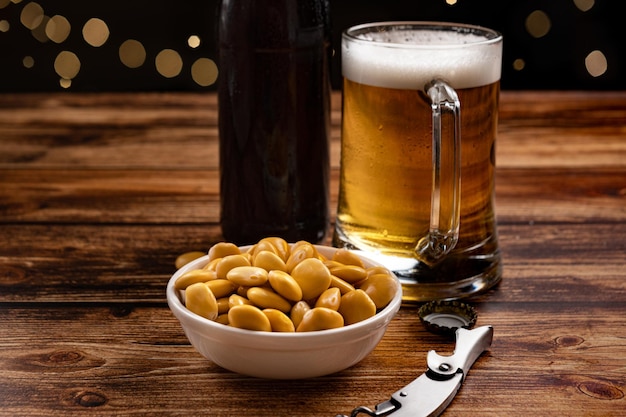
{"x":173,"y":196}
{"x":132,"y":263}
{"x":106,"y":361}
{"x":178,"y":131}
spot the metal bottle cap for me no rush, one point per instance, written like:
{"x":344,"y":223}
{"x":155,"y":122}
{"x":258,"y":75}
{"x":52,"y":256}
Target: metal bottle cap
{"x":445,"y":317}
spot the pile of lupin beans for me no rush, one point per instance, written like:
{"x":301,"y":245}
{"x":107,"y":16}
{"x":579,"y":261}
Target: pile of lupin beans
{"x":274,"y":286}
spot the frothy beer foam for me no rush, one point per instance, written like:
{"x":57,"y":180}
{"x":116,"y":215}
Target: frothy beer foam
{"x":409,"y":59}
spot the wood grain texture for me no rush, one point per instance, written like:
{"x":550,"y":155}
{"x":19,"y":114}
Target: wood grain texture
{"x":99,"y":193}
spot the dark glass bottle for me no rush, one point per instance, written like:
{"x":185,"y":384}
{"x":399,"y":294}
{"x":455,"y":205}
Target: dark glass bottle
{"x":274,"y":119}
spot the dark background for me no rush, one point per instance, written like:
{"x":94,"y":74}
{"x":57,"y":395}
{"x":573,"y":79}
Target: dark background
{"x":554,"y":61}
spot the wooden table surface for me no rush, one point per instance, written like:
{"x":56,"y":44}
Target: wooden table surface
{"x":99,"y":193}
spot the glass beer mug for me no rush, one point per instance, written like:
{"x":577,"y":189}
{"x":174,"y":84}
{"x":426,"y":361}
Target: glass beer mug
{"x":419,"y":121}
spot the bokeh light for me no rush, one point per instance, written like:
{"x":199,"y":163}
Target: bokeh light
{"x":193,"y":41}
{"x":204,"y":72}
{"x":538,"y":24}
{"x":169,"y":63}
{"x":32,"y":15}
{"x":28,"y":61}
{"x":584,"y":5}
{"x":596,"y":63}
{"x":58,"y":29}
{"x":95,"y":32}
{"x":132,"y":53}
{"x":67,"y":65}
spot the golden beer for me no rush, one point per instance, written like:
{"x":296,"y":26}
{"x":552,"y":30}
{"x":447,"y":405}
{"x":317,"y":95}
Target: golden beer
{"x":387,"y":163}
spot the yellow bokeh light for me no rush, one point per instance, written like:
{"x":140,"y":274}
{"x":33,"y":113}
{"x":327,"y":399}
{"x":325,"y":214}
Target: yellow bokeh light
{"x":538,"y":24}
{"x":204,"y":72}
{"x":58,"y":29}
{"x":596,"y":63}
{"x":193,"y":41}
{"x":32,"y":15}
{"x":169,"y":63}
{"x":67,"y":65}
{"x":4,"y":26}
{"x":39,"y":32}
{"x":4,"y":3}
{"x":95,"y":32}
{"x":28,"y":62}
{"x":65,"y":83}
{"x":519,"y":64}
{"x":132,"y":53}
{"x":584,"y":5}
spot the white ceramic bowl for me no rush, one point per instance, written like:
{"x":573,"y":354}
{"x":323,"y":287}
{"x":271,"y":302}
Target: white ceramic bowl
{"x":281,"y":355}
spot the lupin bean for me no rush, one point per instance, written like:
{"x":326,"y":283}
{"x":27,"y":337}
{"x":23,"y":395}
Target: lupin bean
{"x":222,"y":249}
{"x":187,"y":257}
{"x":248,"y":317}
{"x":381,"y":288}
{"x":230,"y":262}
{"x":279,"y":321}
{"x":356,"y":306}
{"x":193,"y":276}
{"x":312,"y":276}
{"x":298,"y":311}
{"x":269,"y":261}
{"x":285,"y":285}
{"x":264,"y":298}
{"x":200,"y":299}
{"x":331,"y":298}
{"x":320,"y":318}
{"x":264,"y":288}
{"x":247,"y":276}
{"x":221,"y":287}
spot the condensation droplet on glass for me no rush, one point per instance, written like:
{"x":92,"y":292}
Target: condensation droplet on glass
{"x":132,"y":53}
{"x":95,"y":32}
{"x":380,"y":128}
{"x":168,"y":63}
{"x":204,"y":72}
{"x":538,"y":24}
{"x":596,"y":63}
{"x":58,"y":29}
{"x":193,"y":41}
{"x":32,"y":15}
{"x":67,"y":65}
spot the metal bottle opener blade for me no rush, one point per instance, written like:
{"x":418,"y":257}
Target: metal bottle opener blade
{"x":434,"y":390}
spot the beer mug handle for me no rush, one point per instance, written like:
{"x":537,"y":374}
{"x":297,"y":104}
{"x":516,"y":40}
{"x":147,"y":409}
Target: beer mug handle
{"x":446,"y":176}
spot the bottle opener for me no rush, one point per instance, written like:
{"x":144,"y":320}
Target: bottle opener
{"x":434,"y":390}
